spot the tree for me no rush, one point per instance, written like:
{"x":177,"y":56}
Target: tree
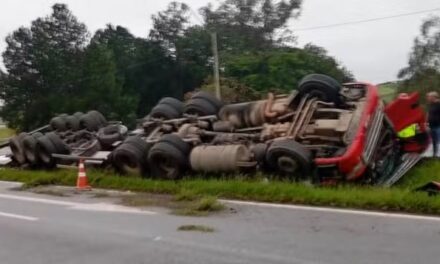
{"x":425,"y":55}
{"x":282,"y":69}
{"x":169,"y":25}
{"x":250,"y":25}
{"x":19,"y":87}
{"x":43,"y":64}
{"x":101,"y":89}
{"x":190,"y":47}
{"x":423,"y":70}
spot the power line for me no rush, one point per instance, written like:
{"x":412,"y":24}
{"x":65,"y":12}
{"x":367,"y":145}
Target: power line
{"x":366,"y":20}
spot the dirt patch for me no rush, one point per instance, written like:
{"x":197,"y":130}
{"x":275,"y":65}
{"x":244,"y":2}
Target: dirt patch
{"x":196,"y":228}
{"x":182,"y":204}
{"x":49,"y":191}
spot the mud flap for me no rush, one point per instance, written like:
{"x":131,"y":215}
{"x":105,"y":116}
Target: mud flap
{"x":408,"y":161}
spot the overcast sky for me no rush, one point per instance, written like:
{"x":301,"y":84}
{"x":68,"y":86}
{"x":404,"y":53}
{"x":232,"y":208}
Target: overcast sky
{"x":374,"y":51}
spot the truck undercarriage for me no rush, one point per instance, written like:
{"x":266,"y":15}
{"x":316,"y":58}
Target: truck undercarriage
{"x":322,"y":132}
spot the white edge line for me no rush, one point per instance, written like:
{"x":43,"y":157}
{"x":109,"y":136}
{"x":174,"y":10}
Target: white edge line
{"x":336,"y":210}
{"x":97,"y":207}
{"x":37,"y":200}
{"x":16,"y":216}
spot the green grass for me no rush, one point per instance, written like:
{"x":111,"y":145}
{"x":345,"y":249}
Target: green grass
{"x":398,"y":198}
{"x":424,"y":172}
{"x":388,"y":91}
{"x":6,"y":133}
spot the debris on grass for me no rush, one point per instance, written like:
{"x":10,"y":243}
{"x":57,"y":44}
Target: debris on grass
{"x":198,"y":228}
{"x":185,"y":195}
{"x":200,"y":207}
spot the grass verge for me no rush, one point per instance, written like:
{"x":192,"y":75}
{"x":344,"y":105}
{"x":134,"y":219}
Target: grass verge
{"x":6,"y":132}
{"x":399,"y":198}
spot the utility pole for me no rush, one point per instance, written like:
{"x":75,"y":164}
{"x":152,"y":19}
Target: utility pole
{"x":216,"y":65}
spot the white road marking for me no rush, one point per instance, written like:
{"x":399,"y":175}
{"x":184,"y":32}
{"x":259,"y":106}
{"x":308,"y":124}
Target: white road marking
{"x":16,"y":216}
{"x":101,"y":207}
{"x":106,"y":207}
{"x":335,"y":210}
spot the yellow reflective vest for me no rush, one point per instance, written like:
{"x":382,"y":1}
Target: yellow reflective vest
{"x":407,"y":132}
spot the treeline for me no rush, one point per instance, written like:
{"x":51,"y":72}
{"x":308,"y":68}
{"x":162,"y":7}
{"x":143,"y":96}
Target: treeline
{"x":423,"y":70}
{"x":56,"y":65}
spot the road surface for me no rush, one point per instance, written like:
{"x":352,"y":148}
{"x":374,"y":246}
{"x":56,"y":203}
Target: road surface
{"x":42,"y":229}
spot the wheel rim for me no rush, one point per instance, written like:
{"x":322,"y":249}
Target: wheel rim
{"x":167,"y":167}
{"x":129,"y":166}
{"x":287,"y":164}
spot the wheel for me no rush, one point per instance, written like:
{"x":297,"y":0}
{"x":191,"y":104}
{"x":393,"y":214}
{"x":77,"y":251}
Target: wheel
{"x":130,"y":159}
{"x":259,"y":152}
{"x":200,"y":107}
{"x":321,"y":86}
{"x":99,"y":117}
{"x":72,"y":123}
{"x":164,"y":111}
{"x":58,"y":123}
{"x":16,"y":145}
{"x":173,"y":102}
{"x":44,"y":149}
{"x":290,"y":158}
{"x":166,"y":161}
{"x":108,"y":135}
{"x":177,"y":142}
{"x":168,"y":158}
{"x":78,"y":114}
{"x":210,"y":98}
{"x":89,"y":122}
{"x":58,"y":143}
{"x":30,"y":147}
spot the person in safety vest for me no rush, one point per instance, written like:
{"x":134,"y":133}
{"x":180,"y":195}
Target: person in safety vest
{"x":408,"y":132}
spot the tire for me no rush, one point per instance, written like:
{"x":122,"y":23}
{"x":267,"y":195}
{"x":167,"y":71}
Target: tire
{"x":99,"y":117}
{"x":44,"y":149}
{"x":322,"y":86}
{"x":259,"y":151}
{"x":164,"y":111}
{"x":200,"y":107}
{"x":72,"y":123}
{"x":89,"y":122}
{"x":210,"y":98}
{"x":139,"y":143}
{"x":59,"y":145}
{"x":290,"y":158}
{"x":130,"y":159}
{"x":78,"y":114}
{"x":30,"y":148}
{"x":108,"y":135}
{"x":58,"y":123}
{"x":166,"y":161}
{"x":16,"y":145}
{"x":173,"y":102}
{"x":177,"y":142}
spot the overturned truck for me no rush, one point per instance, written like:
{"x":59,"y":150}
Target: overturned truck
{"x":322,"y":132}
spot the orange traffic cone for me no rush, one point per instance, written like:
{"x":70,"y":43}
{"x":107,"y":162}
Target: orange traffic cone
{"x":81,"y":182}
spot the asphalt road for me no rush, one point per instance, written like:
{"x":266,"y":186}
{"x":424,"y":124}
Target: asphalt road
{"x":46,"y":229}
